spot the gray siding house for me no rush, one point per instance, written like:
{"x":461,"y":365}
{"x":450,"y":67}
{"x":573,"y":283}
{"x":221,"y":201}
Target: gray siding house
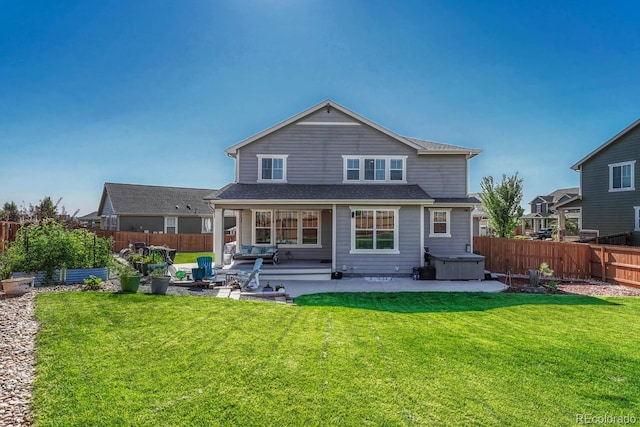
{"x":544,"y":214}
{"x":330,"y":185}
{"x":156,"y":209}
{"x":609,"y":186}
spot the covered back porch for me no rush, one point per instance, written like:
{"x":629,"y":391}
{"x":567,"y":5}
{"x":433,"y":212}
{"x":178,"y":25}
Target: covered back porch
{"x":303,"y":235}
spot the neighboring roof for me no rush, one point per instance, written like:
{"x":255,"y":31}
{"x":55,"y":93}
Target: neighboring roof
{"x":606,"y":144}
{"x":558,"y":194}
{"x":568,"y":202}
{"x":538,"y":215}
{"x":133,"y":199}
{"x":93,"y":216}
{"x":564,"y":191}
{"x":312,"y":192}
{"x":421,"y":146}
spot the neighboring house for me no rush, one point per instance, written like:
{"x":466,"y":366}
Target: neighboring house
{"x":90,"y":220}
{"x":155,"y":209}
{"x":330,"y":185}
{"x":543,"y":209}
{"x":609,"y":195}
{"x":481,"y":225}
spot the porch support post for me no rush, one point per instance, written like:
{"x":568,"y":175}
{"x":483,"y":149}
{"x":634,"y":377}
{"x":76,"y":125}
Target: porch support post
{"x":471,"y":229}
{"x":421,"y":249}
{"x":239,"y":228}
{"x":334,"y":249}
{"x":218,"y":236}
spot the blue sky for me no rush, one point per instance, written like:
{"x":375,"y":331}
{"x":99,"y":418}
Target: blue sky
{"x":151,"y":92}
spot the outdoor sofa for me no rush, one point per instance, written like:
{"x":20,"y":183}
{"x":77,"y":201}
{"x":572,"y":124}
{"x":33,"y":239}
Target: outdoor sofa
{"x":252,"y":252}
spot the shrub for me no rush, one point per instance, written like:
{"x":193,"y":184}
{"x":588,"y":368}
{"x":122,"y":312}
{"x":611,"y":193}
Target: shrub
{"x":48,"y":246}
{"x":92,"y":283}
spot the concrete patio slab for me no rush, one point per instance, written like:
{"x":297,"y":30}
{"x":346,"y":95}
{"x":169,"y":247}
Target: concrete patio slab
{"x":396,"y":284}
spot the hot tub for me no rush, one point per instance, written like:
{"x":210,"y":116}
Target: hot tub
{"x":462,"y":266}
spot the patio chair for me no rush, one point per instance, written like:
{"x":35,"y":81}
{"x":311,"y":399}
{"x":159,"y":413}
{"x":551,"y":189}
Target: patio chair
{"x":247,"y":280}
{"x":206,"y":262}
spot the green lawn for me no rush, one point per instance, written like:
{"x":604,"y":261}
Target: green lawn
{"x":190,"y":257}
{"x":335,"y":359}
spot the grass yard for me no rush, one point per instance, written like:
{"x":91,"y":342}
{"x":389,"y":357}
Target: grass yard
{"x":335,"y":359}
{"x":190,"y":257}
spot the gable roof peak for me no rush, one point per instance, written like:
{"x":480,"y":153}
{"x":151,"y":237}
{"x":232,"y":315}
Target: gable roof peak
{"x":610,"y":141}
{"x":421,"y":146}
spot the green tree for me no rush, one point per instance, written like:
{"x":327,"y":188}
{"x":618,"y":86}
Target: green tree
{"x":502,"y":203}
{"x":9,"y":212}
{"x":46,"y":209}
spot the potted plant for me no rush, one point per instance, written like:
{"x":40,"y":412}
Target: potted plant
{"x":153,"y":260}
{"x":280,"y":288}
{"x":128,"y":276}
{"x":137,"y":260}
{"x":159,"y":281}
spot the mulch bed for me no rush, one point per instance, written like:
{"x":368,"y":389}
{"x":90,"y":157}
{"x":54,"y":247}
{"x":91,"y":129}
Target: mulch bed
{"x":574,"y":287}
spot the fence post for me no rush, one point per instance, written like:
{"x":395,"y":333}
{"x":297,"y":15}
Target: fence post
{"x":603,"y":263}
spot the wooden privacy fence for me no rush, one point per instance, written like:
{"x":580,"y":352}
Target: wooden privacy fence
{"x":620,"y":264}
{"x":7,"y":233}
{"x":179,"y":242}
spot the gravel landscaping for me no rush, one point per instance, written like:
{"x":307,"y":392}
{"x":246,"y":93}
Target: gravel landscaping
{"x":575,"y":287}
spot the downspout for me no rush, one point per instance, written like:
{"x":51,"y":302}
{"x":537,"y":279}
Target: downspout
{"x":334,"y":249}
{"x":421,"y":249}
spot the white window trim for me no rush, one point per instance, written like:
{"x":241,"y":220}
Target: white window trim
{"x":273,"y":156}
{"x":273,"y":229}
{"x":203,"y":229}
{"x":636,"y":218}
{"x":253,"y":226}
{"x":431,"y":214}
{"x":387,"y":166}
{"x":166,"y":218}
{"x":396,"y":229}
{"x":631,"y":163}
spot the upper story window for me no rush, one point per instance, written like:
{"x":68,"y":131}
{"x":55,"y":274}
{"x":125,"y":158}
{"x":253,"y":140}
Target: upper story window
{"x":538,"y":207}
{"x":375,"y":169}
{"x":621,"y":176}
{"x":637,"y":218}
{"x":272,"y":168}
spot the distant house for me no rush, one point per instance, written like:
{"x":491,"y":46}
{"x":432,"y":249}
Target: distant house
{"x":156,"y":209}
{"x":609,"y":195}
{"x":90,"y":220}
{"x":543,"y":212}
{"x":330,"y":185}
